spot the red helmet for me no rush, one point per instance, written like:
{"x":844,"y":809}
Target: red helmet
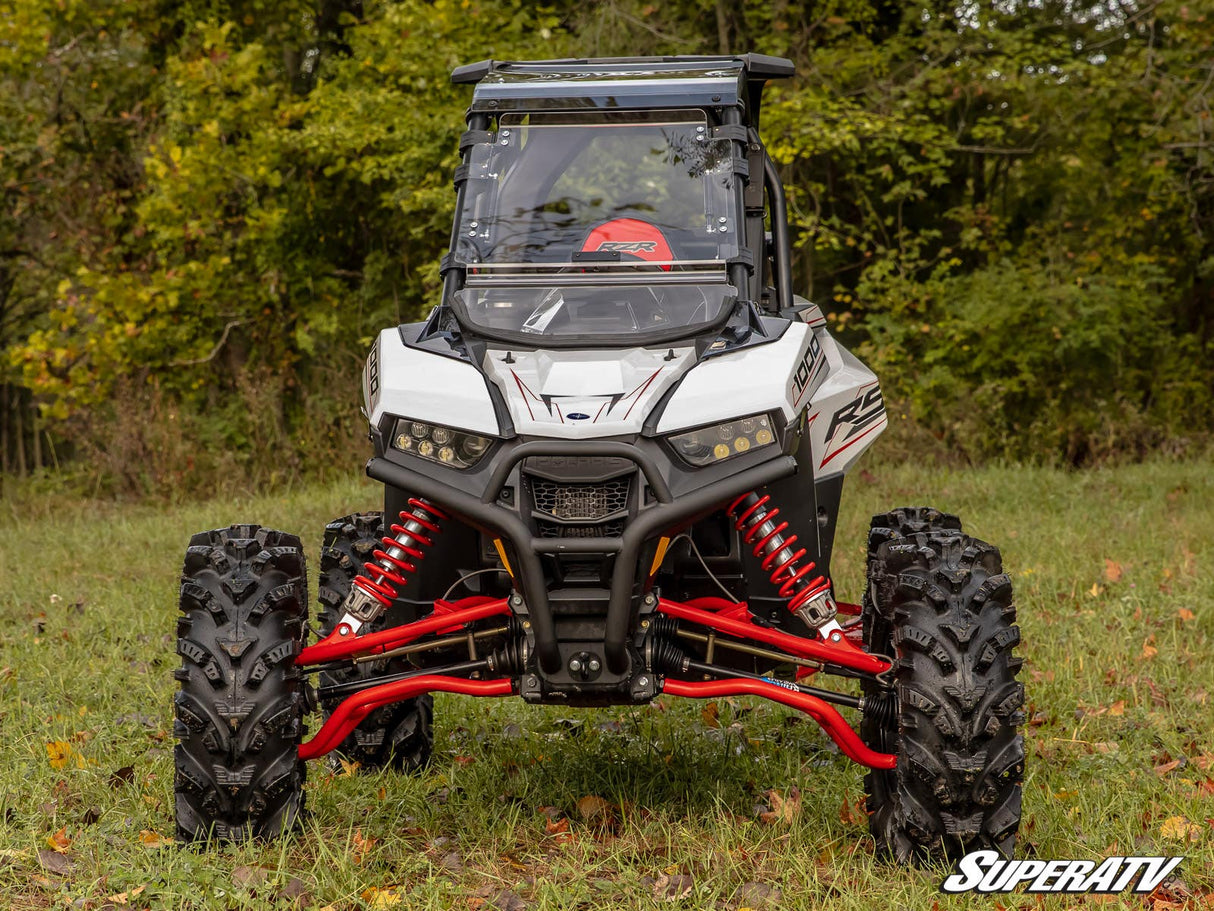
{"x":630,"y":237}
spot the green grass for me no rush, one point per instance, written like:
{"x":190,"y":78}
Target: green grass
{"x":87,"y":610}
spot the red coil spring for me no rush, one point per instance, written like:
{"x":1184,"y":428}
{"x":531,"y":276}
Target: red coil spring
{"x":389,"y":570}
{"x":770,"y":546}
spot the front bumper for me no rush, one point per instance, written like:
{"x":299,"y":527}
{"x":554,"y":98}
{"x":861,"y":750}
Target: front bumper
{"x":666,"y":514}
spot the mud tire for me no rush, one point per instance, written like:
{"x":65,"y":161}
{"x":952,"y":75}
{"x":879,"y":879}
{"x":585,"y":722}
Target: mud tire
{"x":238,"y":711}
{"x":400,"y":735}
{"x":940,"y":605}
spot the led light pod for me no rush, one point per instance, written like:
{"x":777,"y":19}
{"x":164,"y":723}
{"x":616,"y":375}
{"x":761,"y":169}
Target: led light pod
{"x":435,"y":443}
{"x":718,"y":442}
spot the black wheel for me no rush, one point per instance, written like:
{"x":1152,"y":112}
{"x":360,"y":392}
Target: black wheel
{"x":240,"y":703}
{"x":400,"y":735}
{"x":940,"y":605}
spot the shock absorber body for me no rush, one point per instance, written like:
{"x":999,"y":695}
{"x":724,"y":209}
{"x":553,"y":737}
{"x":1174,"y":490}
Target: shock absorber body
{"x":809,"y":596}
{"x":373,"y":592}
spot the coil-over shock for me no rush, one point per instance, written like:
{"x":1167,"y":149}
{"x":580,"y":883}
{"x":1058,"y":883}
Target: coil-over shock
{"x":370,"y":596}
{"x":809,"y":596}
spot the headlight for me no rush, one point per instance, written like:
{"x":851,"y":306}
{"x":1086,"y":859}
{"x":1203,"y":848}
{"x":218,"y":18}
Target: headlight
{"x":723,"y":441}
{"x":435,"y":443}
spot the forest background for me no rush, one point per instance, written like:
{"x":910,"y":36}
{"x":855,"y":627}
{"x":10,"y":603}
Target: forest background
{"x":209,"y":208}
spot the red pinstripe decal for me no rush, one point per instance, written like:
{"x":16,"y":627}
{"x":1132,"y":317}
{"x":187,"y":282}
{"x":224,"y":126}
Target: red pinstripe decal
{"x":523,"y":390}
{"x":809,"y":382}
{"x":881,"y":423}
{"x":641,"y":392}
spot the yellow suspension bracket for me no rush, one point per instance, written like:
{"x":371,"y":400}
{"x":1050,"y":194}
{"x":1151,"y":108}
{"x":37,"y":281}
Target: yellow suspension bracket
{"x":501,"y":552}
{"x":658,"y":557}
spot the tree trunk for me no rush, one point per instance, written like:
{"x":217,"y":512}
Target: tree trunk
{"x":3,"y":428}
{"x":722,"y":28}
{"x":19,"y":435}
{"x":36,"y":422}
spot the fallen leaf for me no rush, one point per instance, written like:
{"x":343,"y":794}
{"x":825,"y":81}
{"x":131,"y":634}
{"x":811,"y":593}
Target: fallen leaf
{"x":122,"y":776}
{"x":1095,"y":590}
{"x":1117,"y":708}
{"x":153,"y":839}
{"x":124,"y":898}
{"x":452,"y":862}
{"x":249,"y":877}
{"x":387,"y":897}
{"x":465,"y":760}
{"x":1185,"y":614}
{"x":783,"y":809}
{"x":1148,"y":647}
{"x":507,"y":901}
{"x":349,"y":768}
{"x":709,"y":715}
{"x":1112,"y":570}
{"x":1167,"y":768}
{"x":54,"y":862}
{"x":296,"y":892}
{"x":672,"y":887}
{"x":592,"y":808}
{"x":850,"y":816}
{"x":59,"y":753}
{"x":1106,"y":746}
{"x":757,"y":895}
{"x":59,"y":841}
{"x":557,"y":826}
{"x":1178,"y":828}
{"x":359,"y":846}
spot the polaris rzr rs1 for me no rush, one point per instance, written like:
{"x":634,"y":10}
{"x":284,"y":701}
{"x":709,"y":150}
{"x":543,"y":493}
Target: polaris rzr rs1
{"x":612,"y":458}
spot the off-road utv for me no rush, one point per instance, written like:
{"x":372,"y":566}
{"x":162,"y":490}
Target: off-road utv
{"x":612,"y":458}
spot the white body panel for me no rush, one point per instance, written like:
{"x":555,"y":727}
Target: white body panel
{"x":429,"y":387}
{"x":587,"y":393}
{"x":846,"y":412}
{"x":779,"y":376}
{"x":581,"y":394}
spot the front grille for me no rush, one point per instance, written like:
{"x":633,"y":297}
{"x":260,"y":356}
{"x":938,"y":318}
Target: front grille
{"x":580,"y":502}
{"x":600,"y":530}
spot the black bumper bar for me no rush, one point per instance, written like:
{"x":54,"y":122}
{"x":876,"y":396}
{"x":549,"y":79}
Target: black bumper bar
{"x":483,"y":512}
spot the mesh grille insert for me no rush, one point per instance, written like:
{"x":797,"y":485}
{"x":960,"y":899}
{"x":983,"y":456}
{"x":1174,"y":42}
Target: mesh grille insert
{"x":580,"y":502}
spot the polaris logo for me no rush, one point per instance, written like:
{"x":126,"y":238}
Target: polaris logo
{"x":577,"y":416}
{"x":987,"y":872}
{"x":627,"y":246}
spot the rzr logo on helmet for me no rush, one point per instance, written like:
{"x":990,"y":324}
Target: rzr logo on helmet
{"x":627,"y":246}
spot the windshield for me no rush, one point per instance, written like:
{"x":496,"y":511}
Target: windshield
{"x":578,"y":311}
{"x":622,"y":190}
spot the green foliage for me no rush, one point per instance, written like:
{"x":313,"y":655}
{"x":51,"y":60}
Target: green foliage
{"x":218,"y":202}
{"x":1022,"y":357}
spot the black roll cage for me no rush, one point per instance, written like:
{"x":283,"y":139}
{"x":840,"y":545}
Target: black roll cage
{"x":732,"y":114}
